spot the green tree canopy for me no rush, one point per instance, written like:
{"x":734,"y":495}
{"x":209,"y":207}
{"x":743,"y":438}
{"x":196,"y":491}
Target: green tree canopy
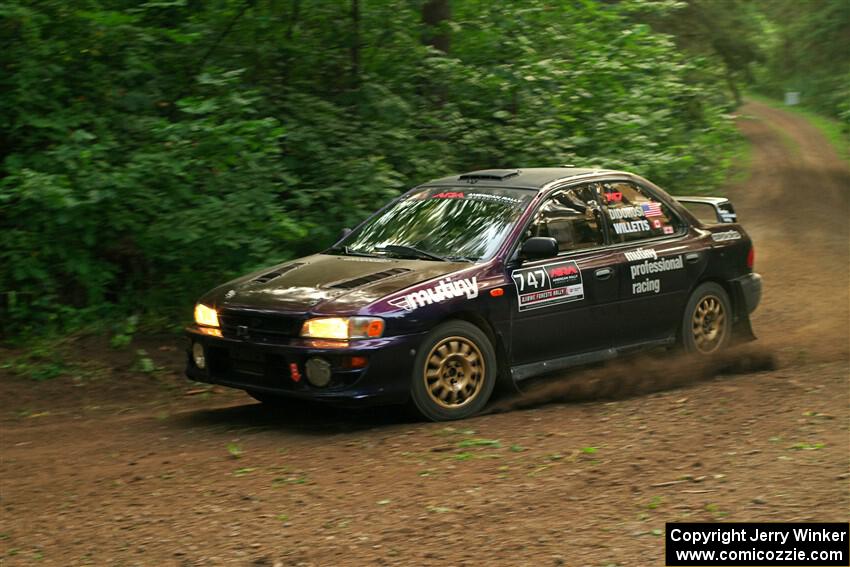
{"x":152,"y":149}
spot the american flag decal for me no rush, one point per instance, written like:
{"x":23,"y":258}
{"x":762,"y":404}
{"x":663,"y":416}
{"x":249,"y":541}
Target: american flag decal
{"x":651,"y":209}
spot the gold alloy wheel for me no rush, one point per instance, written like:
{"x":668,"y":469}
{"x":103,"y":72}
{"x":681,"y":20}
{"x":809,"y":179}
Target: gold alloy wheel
{"x":709,"y":324}
{"x":454,"y":372}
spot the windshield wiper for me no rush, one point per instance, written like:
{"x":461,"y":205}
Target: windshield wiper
{"x":346,"y":251}
{"x":412,"y":251}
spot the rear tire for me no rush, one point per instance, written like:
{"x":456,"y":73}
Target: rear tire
{"x":454,"y":372}
{"x":707,"y":322}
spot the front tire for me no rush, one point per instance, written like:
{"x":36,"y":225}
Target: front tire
{"x":707,"y":322}
{"x":454,"y":372}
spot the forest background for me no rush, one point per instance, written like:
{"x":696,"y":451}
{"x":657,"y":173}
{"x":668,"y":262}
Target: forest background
{"x":149,"y":150}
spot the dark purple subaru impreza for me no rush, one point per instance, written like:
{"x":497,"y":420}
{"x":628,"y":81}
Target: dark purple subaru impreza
{"x":483,"y":279}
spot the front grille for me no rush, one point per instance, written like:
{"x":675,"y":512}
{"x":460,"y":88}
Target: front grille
{"x":249,"y":366}
{"x":265,"y":327}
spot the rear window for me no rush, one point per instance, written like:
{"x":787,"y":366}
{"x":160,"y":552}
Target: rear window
{"x":705,"y":212}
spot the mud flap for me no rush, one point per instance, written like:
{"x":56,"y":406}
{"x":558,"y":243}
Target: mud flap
{"x":742,"y":331}
{"x":745,"y":300}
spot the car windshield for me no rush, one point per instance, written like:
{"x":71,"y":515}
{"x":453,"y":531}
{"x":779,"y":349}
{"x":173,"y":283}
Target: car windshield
{"x":441,"y":223}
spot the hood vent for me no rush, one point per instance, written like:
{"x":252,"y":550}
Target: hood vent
{"x":367,"y":279}
{"x":272,"y":275}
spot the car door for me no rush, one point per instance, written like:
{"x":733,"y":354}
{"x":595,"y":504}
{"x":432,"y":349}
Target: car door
{"x":652,"y":259}
{"x":564,"y":305}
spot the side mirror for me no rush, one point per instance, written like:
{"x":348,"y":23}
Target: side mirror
{"x":539,"y":247}
{"x":343,"y":233}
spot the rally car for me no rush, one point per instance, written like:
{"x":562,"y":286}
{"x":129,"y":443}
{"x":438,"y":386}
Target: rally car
{"x":480,"y":280}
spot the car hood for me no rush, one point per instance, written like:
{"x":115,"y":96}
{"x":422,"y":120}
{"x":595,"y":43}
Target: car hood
{"x":325,"y":283}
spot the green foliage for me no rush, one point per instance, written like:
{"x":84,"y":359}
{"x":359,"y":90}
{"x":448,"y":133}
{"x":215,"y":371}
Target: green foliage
{"x":124,"y":333}
{"x":234,"y":450}
{"x":152,"y":150}
{"x":144,"y":363}
{"x":728,"y":32}
{"x":474,"y":442}
{"x":807,"y":46}
{"x":42,"y":361}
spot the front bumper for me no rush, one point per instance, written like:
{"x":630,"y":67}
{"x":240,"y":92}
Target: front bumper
{"x":279,"y":368}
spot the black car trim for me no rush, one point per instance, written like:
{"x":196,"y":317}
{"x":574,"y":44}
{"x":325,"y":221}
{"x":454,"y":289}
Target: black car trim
{"x":532,"y":369}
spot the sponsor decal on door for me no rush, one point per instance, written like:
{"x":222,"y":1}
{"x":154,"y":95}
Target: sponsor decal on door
{"x":550,"y":284}
{"x":650,"y":265}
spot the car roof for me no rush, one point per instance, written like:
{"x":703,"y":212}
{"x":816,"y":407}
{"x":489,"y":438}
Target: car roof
{"x":530,"y":178}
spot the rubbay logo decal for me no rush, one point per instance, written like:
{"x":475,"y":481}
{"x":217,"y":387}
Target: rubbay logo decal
{"x":641,"y":254}
{"x":724,"y":236}
{"x":445,"y":289}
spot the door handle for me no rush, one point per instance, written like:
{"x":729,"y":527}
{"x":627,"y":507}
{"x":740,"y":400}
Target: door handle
{"x":692,"y":257}
{"x":603,"y":273}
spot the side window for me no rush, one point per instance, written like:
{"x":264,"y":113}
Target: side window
{"x":633,"y":214}
{"x":572,"y":217}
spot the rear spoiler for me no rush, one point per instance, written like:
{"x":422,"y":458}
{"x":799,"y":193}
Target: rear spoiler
{"x":710,"y":210}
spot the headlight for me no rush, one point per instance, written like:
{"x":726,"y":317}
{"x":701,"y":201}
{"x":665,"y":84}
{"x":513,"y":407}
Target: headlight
{"x":206,"y":315}
{"x":343,"y":328}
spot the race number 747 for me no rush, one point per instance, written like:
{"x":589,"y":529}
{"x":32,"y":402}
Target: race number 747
{"x":534,"y":279}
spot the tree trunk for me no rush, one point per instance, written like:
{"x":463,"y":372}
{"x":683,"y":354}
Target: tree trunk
{"x":435,"y":13}
{"x":733,"y":87}
{"x":355,"y":44}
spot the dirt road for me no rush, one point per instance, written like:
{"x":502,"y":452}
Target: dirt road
{"x":107,"y":466}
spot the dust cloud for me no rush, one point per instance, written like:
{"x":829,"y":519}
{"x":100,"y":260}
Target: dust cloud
{"x":638,"y":374}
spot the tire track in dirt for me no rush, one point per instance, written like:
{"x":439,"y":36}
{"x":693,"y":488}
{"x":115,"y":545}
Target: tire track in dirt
{"x":796,"y":207}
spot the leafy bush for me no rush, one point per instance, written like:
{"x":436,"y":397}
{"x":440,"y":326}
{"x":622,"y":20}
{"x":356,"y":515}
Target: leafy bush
{"x":152,"y":150}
